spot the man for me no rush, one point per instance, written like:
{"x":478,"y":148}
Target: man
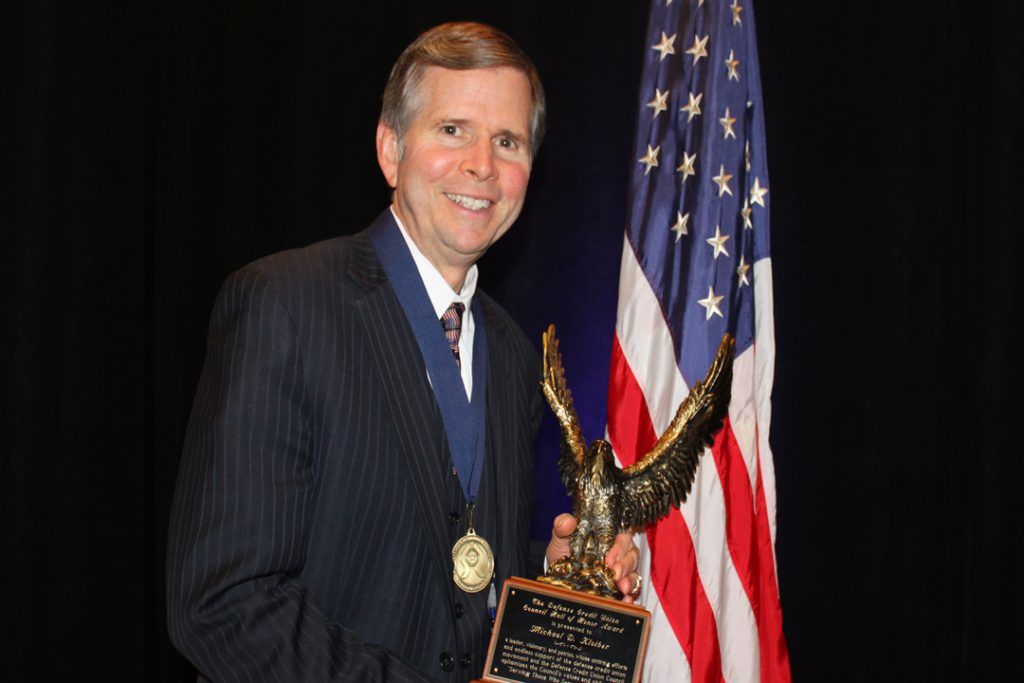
{"x":364,"y":412}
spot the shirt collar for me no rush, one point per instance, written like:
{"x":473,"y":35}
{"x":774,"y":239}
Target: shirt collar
{"x":440,"y":292}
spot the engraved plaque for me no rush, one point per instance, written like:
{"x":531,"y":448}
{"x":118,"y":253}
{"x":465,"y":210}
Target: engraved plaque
{"x":548,"y":634}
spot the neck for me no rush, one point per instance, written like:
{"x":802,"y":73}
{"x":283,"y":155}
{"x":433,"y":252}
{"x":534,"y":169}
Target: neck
{"x":454,"y":276}
{"x":453,"y":273}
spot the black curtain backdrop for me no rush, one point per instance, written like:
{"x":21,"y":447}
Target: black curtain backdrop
{"x":144,"y":158}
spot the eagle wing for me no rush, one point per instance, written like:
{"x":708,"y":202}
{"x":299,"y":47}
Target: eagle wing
{"x":664,"y":476}
{"x":559,"y":397}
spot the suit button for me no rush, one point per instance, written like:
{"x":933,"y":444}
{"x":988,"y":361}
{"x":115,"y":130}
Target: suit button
{"x":447,"y":662}
{"x":458,"y":609}
{"x":454,"y":518}
{"x":464,"y":661}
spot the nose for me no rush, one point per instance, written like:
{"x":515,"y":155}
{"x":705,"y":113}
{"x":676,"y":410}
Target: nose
{"x":479,"y":161}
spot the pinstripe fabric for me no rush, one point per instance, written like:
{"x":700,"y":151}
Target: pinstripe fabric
{"x":312,"y":524}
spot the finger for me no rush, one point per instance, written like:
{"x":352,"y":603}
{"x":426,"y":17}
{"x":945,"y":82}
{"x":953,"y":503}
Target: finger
{"x":630,"y":559}
{"x":612,"y":556}
{"x":628,"y":586}
{"x":622,"y":556}
{"x":563,"y":526}
{"x":561,"y":529}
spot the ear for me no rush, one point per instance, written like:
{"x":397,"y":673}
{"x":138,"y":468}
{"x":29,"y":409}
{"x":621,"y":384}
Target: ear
{"x":387,"y":153}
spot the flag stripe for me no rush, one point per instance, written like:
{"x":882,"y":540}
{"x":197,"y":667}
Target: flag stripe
{"x":673,"y":565}
{"x":738,"y":469}
{"x":749,"y":540}
{"x":666,"y":661}
{"x":764,"y":377}
{"x":774,"y":653}
{"x":629,"y":426}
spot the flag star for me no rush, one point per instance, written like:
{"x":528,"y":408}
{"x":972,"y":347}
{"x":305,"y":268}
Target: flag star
{"x":718,"y":242}
{"x":710,"y":304}
{"x":699,"y":48}
{"x":746,"y":155}
{"x":727,"y":122}
{"x":680,"y":228}
{"x":736,"y":9}
{"x":659,"y":103}
{"x":745,"y":212}
{"x":741,"y":271}
{"x":757,"y":193}
{"x":692,"y":108}
{"x":686,"y":168}
{"x":665,"y":47}
{"x":731,"y":65}
{"x":722,"y":180}
{"x":650,"y":159}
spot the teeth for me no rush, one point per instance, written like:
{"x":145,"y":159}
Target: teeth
{"x":469,"y":202}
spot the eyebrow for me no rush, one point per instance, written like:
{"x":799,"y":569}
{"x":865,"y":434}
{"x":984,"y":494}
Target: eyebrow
{"x":451,"y":122}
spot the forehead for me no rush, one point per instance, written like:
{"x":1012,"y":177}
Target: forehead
{"x":498,"y":96}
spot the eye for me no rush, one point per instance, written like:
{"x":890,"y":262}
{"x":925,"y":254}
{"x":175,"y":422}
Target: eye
{"x":450,"y":129}
{"x":508,"y":143}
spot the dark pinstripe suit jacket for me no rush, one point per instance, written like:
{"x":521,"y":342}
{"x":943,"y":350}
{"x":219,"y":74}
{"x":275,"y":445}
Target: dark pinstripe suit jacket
{"x":315,"y":509}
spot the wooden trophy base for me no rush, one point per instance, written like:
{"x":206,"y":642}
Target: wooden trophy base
{"x":544,"y":633}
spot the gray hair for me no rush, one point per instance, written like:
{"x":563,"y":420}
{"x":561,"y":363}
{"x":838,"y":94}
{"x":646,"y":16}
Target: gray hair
{"x":460,"y":46}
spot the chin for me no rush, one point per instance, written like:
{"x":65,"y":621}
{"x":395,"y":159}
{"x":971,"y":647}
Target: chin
{"x":473,"y":241}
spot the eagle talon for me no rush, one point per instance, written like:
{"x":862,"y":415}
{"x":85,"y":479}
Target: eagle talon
{"x":588,"y":574}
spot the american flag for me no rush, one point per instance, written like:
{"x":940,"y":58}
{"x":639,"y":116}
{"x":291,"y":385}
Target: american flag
{"x":696,"y":264}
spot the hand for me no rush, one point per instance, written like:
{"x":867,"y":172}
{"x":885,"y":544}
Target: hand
{"x":622,"y":557}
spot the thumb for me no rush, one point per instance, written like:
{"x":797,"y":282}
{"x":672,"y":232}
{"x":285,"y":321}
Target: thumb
{"x":563,"y":526}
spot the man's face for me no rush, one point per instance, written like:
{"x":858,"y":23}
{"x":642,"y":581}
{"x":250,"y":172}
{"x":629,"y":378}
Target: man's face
{"x":461,"y":179}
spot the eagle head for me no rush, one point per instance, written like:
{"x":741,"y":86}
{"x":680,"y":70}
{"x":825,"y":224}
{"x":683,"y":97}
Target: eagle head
{"x":600,"y":462}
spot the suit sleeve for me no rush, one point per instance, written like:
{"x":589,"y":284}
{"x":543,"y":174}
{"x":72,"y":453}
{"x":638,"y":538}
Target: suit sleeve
{"x":243,"y":507}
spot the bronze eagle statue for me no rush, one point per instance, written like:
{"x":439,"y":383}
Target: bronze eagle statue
{"x":607,"y":500}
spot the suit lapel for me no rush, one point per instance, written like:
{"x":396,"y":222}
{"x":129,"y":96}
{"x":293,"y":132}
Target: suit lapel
{"x":415,"y":417}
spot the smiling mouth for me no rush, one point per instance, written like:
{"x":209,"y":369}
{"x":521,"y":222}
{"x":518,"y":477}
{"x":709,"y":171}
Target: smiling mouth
{"x":470,"y":203}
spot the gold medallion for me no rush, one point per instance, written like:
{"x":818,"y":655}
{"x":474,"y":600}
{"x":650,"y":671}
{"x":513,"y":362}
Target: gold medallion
{"x":472,"y":562}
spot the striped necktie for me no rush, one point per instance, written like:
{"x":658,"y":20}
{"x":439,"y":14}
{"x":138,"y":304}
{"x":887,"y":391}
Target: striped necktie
{"x":451,"y":321}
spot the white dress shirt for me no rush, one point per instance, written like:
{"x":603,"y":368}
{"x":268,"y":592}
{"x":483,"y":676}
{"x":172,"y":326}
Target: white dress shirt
{"x":442,"y":296}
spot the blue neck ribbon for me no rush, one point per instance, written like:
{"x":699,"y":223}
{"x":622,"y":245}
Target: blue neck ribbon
{"x":464,"y":419}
